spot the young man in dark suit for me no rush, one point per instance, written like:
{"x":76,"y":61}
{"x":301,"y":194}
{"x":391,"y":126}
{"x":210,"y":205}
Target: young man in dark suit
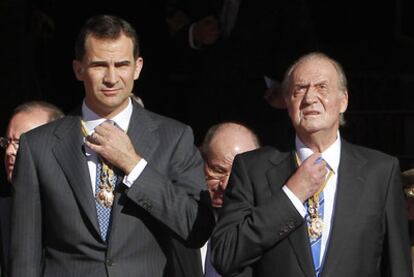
{"x":328,"y":208}
{"x":103,"y":191}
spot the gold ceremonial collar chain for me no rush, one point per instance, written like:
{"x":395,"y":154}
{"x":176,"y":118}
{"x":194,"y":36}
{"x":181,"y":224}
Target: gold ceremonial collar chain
{"x":315,"y":219}
{"x":105,"y":195}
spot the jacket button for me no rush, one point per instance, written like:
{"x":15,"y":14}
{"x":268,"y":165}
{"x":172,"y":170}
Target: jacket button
{"x":109,"y":262}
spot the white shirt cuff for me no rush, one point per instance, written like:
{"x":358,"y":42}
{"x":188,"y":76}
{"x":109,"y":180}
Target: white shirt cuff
{"x":130,"y":179}
{"x":295,"y":201}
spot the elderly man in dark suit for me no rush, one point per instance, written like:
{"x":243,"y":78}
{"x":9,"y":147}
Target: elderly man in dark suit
{"x":103,"y":191}
{"x":328,"y":208}
{"x":25,"y":117}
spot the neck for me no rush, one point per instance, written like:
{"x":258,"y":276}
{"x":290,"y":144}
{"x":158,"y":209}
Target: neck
{"x":107,"y":112}
{"x":318,"y":142}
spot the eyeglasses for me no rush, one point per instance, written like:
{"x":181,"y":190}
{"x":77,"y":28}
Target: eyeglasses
{"x":5,"y":142}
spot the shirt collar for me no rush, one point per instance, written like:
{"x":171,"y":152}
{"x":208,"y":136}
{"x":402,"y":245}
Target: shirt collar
{"x":92,"y":120}
{"x":331,"y":155}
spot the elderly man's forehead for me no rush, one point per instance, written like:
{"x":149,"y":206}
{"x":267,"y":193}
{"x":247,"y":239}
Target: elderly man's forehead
{"x":315,"y":63}
{"x":316,"y":70}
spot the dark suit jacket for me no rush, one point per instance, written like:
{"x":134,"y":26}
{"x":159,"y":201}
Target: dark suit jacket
{"x":54,"y":224}
{"x":5,"y":210}
{"x":260,"y":229}
{"x":187,"y":261}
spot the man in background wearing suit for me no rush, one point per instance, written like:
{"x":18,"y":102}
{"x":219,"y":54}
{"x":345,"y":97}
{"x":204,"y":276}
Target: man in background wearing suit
{"x":103,"y":191}
{"x":25,"y":117}
{"x":328,"y":208}
{"x":222,"y":142}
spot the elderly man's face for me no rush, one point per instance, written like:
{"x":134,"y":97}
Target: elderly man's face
{"x":21,"y":123}
{"x":315,"y":101}
{"x":217,"y":169}
{"x":226,"y":144}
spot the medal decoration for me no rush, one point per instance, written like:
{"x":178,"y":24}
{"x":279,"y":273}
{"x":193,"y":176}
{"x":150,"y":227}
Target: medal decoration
{"x":314,"y":217}
{"x":105,"y":195}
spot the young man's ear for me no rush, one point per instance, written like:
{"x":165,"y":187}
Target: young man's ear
{"x":138,"y":67}
{"x":78,"y":69}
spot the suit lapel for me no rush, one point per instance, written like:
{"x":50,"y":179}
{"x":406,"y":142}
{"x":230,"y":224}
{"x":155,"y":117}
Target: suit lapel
{"x":284,"y":166}
{"x":141,"y":132}
{"x":349,"y":190}
{"x":71,"y":158}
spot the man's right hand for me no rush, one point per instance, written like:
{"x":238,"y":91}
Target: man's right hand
{"x":308,"y":178}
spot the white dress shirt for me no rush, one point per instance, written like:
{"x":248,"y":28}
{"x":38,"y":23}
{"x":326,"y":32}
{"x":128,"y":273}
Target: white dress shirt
{"x":122,"y":119}
{"x":332,"y":157}
{"x":203,"y":252}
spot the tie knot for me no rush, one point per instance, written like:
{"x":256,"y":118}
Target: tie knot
{"x":112,"y":122}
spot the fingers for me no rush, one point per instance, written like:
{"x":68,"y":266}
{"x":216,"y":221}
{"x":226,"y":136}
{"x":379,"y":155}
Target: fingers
{"x":105,"y":133}
{"x":315,"y":158}
{"x":315,"y":163}
{"x":309,"y":177}
{"x":104,"y":137}
{"x":114,"y":145}
{"x":93,"y":144}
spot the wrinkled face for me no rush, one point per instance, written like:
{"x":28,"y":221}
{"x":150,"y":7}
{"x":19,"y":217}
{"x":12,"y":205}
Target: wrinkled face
{"x":314,"y":100}
{"x":19,"y":124}
{"x":219,"y":161}
{"x":217,"y":170}
{"x":108,"y":71}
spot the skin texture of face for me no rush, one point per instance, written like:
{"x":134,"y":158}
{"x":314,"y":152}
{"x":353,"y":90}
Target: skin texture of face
{"x":108,"y":70}
{"x":315,"y":102}
{"x":21,"y":123}
{"x":229,"y":140}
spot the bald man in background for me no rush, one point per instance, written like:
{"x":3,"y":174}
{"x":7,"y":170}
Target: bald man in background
{"x":221,"y":144}
{"x":25,"y":117}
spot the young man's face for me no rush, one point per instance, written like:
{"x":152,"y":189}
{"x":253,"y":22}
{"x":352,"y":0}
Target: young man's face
{"x":108,"y":71}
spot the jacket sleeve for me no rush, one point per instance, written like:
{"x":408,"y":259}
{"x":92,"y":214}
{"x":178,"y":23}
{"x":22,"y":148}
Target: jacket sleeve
{"x":178,"y":198}
{"x":26,"y":220}
{"x":246,"y":230}
{"x":397,"y":257}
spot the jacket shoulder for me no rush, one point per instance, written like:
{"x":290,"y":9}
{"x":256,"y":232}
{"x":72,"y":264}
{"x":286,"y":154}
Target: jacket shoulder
{"x":369,"y":154}
{"x":261,"y":155}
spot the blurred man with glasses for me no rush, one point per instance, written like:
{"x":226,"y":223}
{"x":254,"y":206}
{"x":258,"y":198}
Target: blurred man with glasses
{"x":25,"y":117}
{"x":221,"y":144}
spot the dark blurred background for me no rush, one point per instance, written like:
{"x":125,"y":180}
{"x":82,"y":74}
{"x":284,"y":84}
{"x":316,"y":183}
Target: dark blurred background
{"x":374,"y":41}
